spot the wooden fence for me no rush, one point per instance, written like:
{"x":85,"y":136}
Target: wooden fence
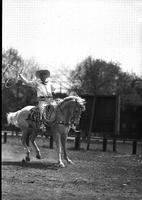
{"x":78,"y":139}
{"x":103,"y":118}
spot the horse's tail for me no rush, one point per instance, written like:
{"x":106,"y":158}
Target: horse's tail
{"x":12,"y":118}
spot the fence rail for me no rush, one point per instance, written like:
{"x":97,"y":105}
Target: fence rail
{"x":76,"y":137}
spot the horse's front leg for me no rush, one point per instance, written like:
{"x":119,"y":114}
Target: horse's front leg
{"x":64,"y":142}
{"x":32,"y":139}
{"x":58,"y":146}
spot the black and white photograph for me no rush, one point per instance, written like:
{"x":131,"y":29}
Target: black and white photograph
{"x":71,"y":100}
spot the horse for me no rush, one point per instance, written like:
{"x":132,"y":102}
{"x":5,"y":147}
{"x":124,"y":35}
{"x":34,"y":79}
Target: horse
{"x":66,"y":115}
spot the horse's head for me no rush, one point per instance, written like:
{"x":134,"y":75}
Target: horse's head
{"x":75,"y":106}
{"x":77,"y":109}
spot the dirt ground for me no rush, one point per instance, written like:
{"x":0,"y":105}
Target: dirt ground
{"x":95,"y":174}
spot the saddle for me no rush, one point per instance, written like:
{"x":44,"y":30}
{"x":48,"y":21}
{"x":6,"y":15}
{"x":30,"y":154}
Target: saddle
{"x":34,"y":114}
{"x":47,"y":116}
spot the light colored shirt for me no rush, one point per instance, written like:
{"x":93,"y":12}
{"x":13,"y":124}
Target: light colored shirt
{"x":43,"y":90}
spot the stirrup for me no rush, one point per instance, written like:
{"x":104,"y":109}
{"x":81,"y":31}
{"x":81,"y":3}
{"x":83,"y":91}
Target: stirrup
{"x":42,"y":127}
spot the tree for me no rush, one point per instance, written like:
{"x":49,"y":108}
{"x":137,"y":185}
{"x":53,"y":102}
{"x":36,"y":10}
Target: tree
{"x":97,"y":77}
{"x":60,"y":79}
{"x":18,"y":95}
{"x":30,"y":67}
{"x":12,"y":63}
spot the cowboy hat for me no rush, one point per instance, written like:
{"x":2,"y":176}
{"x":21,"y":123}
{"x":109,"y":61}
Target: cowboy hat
{"x":40,"y":72}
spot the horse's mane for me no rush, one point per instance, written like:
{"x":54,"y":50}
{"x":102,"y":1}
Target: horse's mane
{"x":80,"y":100}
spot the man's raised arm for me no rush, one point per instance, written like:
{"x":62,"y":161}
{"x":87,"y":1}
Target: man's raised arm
{"x":29,"y":83}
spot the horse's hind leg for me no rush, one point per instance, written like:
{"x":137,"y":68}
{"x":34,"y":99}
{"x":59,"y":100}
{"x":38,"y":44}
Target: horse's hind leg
{"x":32,"y":138}
{"x":24,"y":139}
{"x":64,"y":142}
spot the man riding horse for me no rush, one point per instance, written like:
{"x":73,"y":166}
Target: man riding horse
{"x":44,"y":92}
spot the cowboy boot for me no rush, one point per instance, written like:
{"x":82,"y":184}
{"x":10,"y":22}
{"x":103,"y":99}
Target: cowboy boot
{"x":42,"y":126}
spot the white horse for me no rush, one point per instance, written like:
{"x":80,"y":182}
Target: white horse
{"x":66,"y":114}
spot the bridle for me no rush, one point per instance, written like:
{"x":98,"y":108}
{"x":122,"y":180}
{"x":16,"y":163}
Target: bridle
{"x":73,"y":118}
{"x":76,"y":114}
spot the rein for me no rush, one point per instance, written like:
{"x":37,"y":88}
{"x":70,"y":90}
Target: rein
{"x":74,"y":114}
{"x":68,"y":119}
{"x":60,"y":121}
{"x":64,"y":122}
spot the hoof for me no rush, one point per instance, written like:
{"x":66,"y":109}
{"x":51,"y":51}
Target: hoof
{"x":38,"y":156}
{"x":27,"y":159}
{"x":70,"y":162}
{"x":61,"y":165}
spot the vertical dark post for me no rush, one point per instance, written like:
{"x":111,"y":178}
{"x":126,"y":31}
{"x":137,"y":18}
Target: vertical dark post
{"x":51,"y":142}
{"x":77,"y":140}
{"x":16,"y":133}
{"x":5,"y":137}
{"x":12,"y":133}
{"x":117,"y":116}
{"x":104,"y":144}
{"x":91,"y":123}
{"x":114,"y":144}
{"x":134,"y":151}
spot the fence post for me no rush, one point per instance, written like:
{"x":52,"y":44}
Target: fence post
{"x":77,"y":140}
{"x":134,"y":150}
{"x":104,"y":144}
{"x":91,"y":123}
{"x":5,"y":137}
{"x":51,"y":142}
{"x":12,"y":134}
{"x":114,"y":144}
{"x":117,"y":116}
